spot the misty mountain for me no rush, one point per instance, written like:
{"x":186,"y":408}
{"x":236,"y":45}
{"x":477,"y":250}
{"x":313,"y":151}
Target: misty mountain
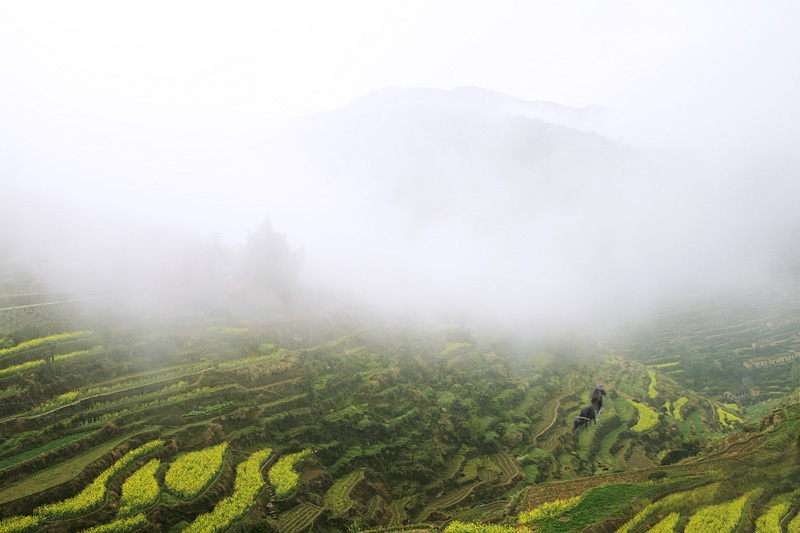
{"x":589,"y":119}
{"x":472,"y":202}
{"x":462,"y":204}
{"x":422,"y":148}
{"x":414,"y":171}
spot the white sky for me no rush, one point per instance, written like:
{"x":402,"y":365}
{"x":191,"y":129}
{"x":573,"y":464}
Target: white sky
{"x":197,"y":64}
{"x":92,"y":93}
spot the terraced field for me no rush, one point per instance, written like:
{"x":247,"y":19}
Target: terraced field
{"x":356,"y":429}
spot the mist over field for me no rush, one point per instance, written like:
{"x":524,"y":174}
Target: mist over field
{"x":447,"y":184}
{"x":427,"y":204}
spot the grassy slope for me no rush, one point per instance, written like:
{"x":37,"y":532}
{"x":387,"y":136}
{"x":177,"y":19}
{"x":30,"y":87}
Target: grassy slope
{"x":366,"y":384}
{"x":57,"y":474}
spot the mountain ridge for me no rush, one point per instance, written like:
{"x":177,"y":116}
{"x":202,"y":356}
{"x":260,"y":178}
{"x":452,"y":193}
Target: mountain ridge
{"x":589,"y":119}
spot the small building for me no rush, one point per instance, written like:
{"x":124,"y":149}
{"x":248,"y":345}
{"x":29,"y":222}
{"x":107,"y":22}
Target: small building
{"x":784,"y":322}
{"x":736,"y":394}
{"x":756,"y":362}
{"x":780,"y":359}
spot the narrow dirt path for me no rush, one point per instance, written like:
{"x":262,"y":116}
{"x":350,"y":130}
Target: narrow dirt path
{"x":558,"y":405}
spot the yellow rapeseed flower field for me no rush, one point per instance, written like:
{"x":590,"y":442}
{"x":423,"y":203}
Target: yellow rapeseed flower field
{"x":191,"y":473}
{"x":245,"y":489}
{"x":140,"y":490}
{"x":282,"y":476}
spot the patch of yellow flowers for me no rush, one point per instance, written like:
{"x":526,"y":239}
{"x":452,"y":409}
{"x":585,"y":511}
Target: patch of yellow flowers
{"x":676,"y":407}
{"x":245,"y":489}
{"x":27,"y":345}
{"x":720,"y":518}
{"x":461,"y":527}
{"x":666,"y":525}
{"x":282,"y":476}
{"x":94,"y":495}
{"x":140,"y":490}
{"x":19,"y":524}
{"x":651,"y":390}
{"x":548,"y":510}
{"x":648,"y":419}
{"x":191,"y":473}
{"x":123,"y":525}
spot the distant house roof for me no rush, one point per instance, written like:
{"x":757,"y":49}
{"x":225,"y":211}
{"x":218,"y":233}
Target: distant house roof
{"x":774,"y":360}
{"x":739,"y":392}
{"x":782,"y":358}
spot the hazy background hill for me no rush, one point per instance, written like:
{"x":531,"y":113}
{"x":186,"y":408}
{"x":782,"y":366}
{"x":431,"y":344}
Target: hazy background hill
{"x":475,"y":202}
{"x":589,"y":119}
{"x":465,"y":204}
